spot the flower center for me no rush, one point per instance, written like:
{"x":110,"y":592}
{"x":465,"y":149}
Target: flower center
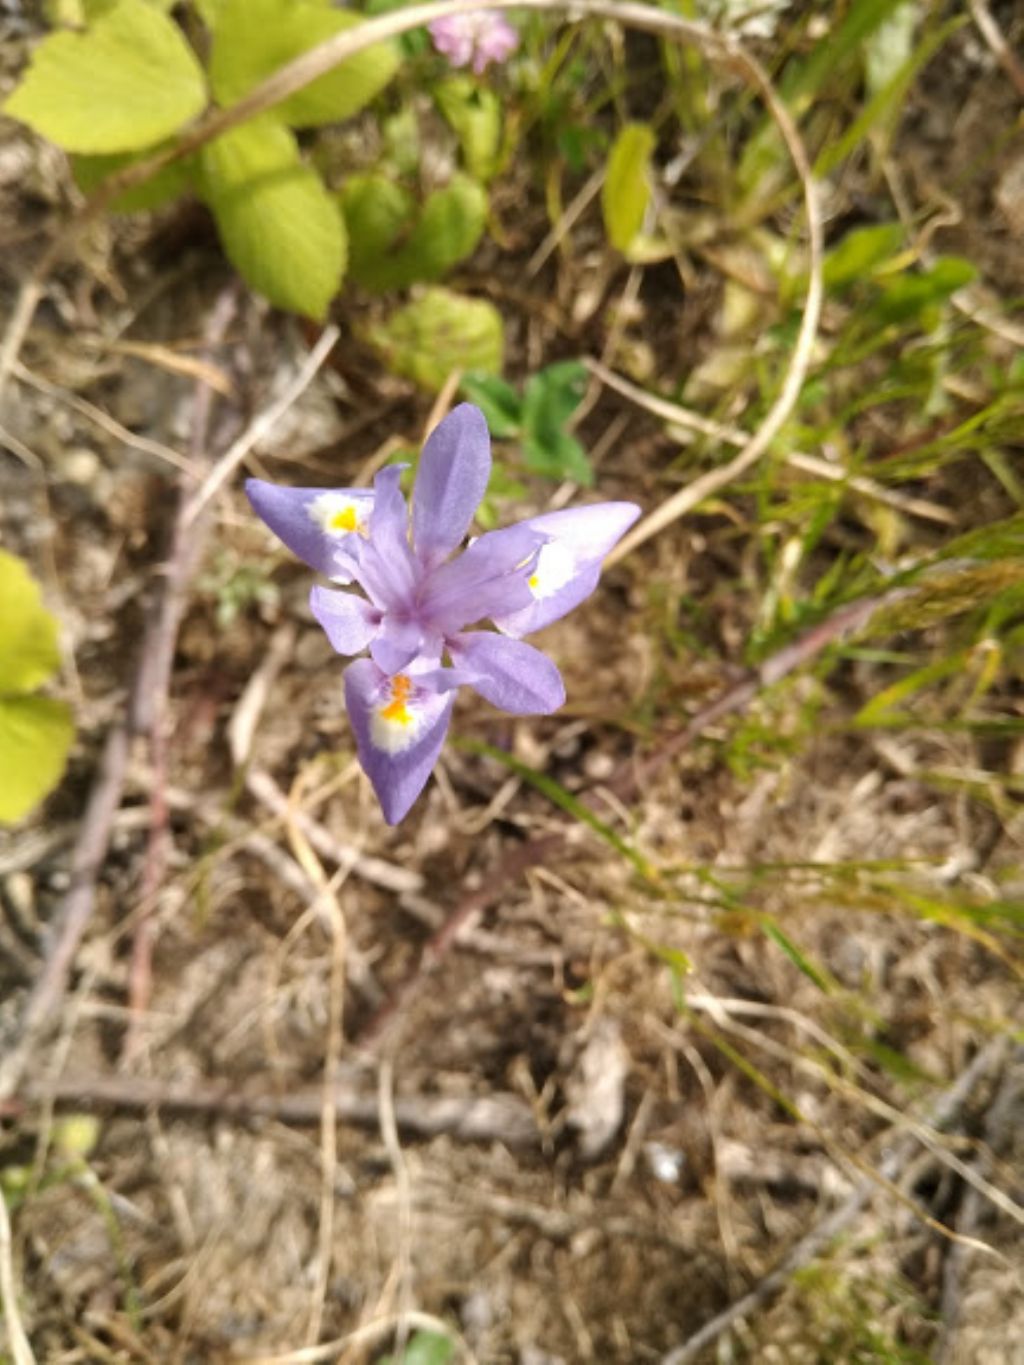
{"x":397,"y":709}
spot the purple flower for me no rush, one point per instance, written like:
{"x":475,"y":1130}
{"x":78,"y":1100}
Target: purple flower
{"x":420,"y":597}
{"x":479,"y":37}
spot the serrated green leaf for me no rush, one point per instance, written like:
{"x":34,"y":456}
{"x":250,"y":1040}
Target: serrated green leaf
{"x":474,"y":115}
{"x":553,"y":395}
{"x":439,"y":332}
{"x":497,"y":400}
{"x":626,"y":192}
{"x":860,"y":252}
{"x":159,"y":189}
{"x":280,"y":227}
{"x":28,"y":633}
{"x":550,"y":399}
{"x":35,"y":736}
{"x":253,"y":38}
{"x":560,"y":457}
{"x":129,"y":81}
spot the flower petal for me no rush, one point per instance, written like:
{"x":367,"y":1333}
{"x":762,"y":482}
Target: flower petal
{"x":508,"y":673}
{"x":386,"y":569}
{"x":397,"y":645}
{"x":569,"y":563}
{"x":313,"y":522}
{"x":450,"y":482}
{"x":400,"y":726}
{"x":350,"y":622}
{"x":490,"y":576}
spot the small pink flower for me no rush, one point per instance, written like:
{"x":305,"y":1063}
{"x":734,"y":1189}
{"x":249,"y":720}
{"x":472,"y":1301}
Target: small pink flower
{"x":476,"y":39}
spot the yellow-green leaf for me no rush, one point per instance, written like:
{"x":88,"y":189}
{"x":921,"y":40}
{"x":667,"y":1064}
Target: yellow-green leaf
{"x":440,"y":331}
{"x":128,"y":81}
{"x":626,"y":193}
{"x":378,"y":215}
{"x":28,"y":633}
{"x":253,"y":38}
{"x":35,"y":736}
{"x":159,"y":189}
{"x":280,"y":227}
{"x":392,"y":248}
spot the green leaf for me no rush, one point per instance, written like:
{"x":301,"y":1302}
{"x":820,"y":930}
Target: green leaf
{"x":28,"y":633}
{"x":35,"y":736}
{"x":551,"y":398}
{"x":92,"y":9}
{"x":860,"y":252}
{"x":378,"y":213}
{"x":910,"y":296}
{"x":425,"y":1348}
{"x":498,"y":401}
{"x":560,"y":456}
{"x":280,"y":227}
{"x":449,"y":229}
{"x":626,"y":193}
{"x":439,"y":332}
{"x":474,"y":115}
{"x":253,"y":38}
{"x":392,"y":248}
{"x":129,"y":81}
{"x":159,"y":189}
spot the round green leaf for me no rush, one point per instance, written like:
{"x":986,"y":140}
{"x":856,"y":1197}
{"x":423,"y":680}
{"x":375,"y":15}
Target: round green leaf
{"x":395,"y":249}
{"x":438,"y":332}
{"x":128,"y":81}
{"x":35,"y":736}
{"x":28,"y":633}
{"x":280,"y":227}
{"x":253,"y":38}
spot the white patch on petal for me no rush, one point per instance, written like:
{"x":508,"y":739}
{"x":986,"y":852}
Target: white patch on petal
{"x":339,"y":514}
{"x":554,"y":568}
{"x":399,"y":717}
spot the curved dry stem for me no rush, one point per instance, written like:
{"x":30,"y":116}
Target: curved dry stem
{"x":319,"y":60}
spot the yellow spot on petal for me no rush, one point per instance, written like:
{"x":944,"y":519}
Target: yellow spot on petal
{"x":397,"y":709}
{"x":343,"y":520}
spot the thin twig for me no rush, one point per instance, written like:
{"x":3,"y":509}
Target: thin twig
{"x":1001,"y":49}
{"x":149,"y":708}
{"x":261,"y":427}
{"x":21,"y":1351}
{"x":495,"y":1117}
{"x":102,"y":419}
{"x":811,"y":1246}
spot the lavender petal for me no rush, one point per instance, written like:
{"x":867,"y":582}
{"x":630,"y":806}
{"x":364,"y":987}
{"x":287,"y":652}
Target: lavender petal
{"x":313,"y":522}
{"x":569,"y":563}
{"x":397,"y":751}
{"x":508,"y":673}
{"x":450,"y":482}
{"x":349,"y":622}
